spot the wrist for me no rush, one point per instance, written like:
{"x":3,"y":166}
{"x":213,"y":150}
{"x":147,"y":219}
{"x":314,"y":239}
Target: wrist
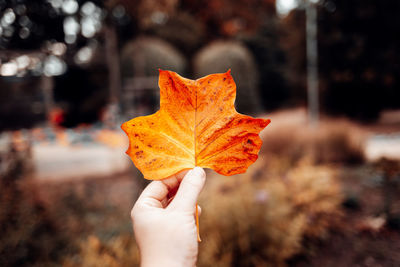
{"x":159,"y":261}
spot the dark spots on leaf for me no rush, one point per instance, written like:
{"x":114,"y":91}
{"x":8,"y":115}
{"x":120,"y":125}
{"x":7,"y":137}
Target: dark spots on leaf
{"x":135,"y":135}
{"x":249,"y":141}
{"x":139,"y":153}
{"x":224,"y":79}
{"x":208,"y":81}
{"x":136,"y":146}
{"x":220,"y":109}
{"x":151,"y":162}
{"x":149,"y":145}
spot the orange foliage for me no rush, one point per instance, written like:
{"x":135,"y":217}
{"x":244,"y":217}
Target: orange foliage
{"x":197,"y":125}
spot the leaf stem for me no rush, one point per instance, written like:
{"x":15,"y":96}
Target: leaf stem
{"x":197,"y":224}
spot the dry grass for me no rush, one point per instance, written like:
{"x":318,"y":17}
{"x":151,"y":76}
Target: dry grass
{"x":118,"y":251}
{"x":334,"y":141}
{"x":261,"y":219}
{"x":257,"y":219}
{"x":29,"y":235}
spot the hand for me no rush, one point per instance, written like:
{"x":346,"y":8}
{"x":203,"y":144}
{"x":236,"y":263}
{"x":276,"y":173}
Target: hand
{"x":165,"y":229}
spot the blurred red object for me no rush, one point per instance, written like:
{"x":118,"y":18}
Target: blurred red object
{"x":56,"y":117}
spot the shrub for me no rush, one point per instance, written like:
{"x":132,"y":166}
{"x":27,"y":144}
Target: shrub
{"x":221,"y":56}
{"x":334,"y":141}
{"x":249,"y":220}
{"x":119,"y":251}
{"x":256,"y":220}
{"x":30,"y":235}
{"x":145,"y":55}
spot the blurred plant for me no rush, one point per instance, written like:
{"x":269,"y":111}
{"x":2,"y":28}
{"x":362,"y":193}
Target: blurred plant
{"x":140,"y":61}
{"x":336,"y":141}
{"x":249,"y":221}
{"x":229,"y":18}
{"x":19,"y":101}
{"x":293,"y":42}
{"x":390,"y":171}
{"x":145,"y":55}
{"x":29,"y":236}
{"x":119,"y":251}
{"x":183,"y":30}
{"x":358,"y":60}
{"x":220,"y":56}
{"x":271,"y":61}
{"x":262,"y":221}
{"x":15,"y":156}
{"x":42,"y":223}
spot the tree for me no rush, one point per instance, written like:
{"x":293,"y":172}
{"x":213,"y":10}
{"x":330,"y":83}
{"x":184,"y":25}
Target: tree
{"x":358,"y":55}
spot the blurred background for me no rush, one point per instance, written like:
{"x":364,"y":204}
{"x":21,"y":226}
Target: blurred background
{"x":325,"y":189}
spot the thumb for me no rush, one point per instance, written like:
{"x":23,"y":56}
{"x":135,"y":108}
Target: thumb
{"x":189,"y":190}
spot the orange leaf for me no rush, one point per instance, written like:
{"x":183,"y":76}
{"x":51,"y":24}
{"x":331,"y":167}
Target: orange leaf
{"x":197,"y":125}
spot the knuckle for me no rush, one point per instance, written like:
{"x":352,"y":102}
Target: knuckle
{"x":202,"y":174}
{"x":134,"y":211}
{"x":193,"y":183}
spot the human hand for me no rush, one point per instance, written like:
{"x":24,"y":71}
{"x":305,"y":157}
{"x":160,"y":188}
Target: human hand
{"x":165,"y":229}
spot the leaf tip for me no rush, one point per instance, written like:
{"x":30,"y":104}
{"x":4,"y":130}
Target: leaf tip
{"x":124,"y":127}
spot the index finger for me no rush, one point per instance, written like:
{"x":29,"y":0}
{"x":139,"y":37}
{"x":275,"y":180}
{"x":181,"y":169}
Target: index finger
{"x":157,"y":191}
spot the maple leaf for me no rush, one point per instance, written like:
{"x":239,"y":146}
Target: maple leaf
{"x":197,"y":125}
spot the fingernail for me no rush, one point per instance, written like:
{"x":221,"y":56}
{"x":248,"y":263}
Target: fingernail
{"x":198,"y":171}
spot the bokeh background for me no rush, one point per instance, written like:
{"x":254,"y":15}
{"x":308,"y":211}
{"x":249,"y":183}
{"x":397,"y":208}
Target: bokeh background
{"x":325,"y":189}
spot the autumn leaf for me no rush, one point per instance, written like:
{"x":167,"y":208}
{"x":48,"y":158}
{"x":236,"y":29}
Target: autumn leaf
{"x":197,"y":125}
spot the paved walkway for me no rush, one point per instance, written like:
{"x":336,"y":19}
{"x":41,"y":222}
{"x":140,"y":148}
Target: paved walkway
{"x":383,"y":145}
{"x":55,"y":161}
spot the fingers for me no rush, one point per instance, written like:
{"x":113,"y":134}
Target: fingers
{"x":155,"y":194}
{"x":189,"y":190}
{"x":173,"y":181}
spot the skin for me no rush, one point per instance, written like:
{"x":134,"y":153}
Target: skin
{"x":164,"y":220}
